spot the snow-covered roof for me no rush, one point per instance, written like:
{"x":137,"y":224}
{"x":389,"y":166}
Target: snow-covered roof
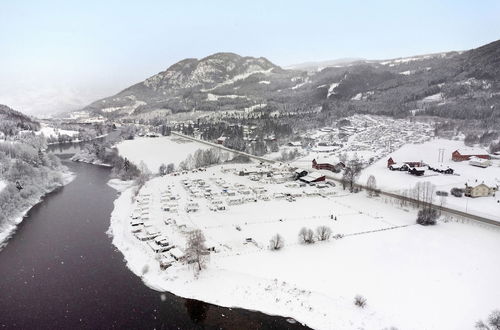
{"x":475,"y":183}
{"x":312,"y":176}
{"x":472,"y":151}
{"x":479,"y":160}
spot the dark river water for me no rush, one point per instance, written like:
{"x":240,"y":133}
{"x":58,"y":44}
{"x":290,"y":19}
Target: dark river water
{"x":60,"y":271}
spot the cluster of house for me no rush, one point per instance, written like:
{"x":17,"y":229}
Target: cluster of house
{"x":413,"y":167}
{"x":474,"y":156}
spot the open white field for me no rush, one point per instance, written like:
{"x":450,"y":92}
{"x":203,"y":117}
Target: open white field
{"x":414,"y":277}
{"x":155,"y":151}
{"x":52,"y":132}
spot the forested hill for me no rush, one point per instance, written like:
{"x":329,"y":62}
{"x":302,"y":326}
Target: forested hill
{"x":12,"y":121}
{"x":452,"y":84}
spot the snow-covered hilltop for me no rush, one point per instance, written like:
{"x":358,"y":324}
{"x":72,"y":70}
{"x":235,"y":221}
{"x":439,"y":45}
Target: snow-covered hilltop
{"x":444,"y":84}
{"x":193,"y":83}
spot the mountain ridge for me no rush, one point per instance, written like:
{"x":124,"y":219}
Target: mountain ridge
{"x":437,"y":84}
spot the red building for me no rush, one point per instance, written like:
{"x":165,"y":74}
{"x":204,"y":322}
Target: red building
{"x":391,"y":161}
{"x":327,"y":166}
{"x":461,"y":155}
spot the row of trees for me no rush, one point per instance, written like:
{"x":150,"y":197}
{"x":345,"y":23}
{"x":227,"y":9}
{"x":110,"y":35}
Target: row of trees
{"x":202,"y":158}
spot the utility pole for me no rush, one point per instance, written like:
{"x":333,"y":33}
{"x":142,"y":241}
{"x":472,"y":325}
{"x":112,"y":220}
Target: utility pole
{"x":440,"y":155}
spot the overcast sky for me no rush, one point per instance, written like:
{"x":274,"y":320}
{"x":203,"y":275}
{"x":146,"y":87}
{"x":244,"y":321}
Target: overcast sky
{"x":61,"y":55}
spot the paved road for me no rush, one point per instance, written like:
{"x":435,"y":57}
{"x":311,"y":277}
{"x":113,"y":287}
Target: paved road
{"x":385,"y":193}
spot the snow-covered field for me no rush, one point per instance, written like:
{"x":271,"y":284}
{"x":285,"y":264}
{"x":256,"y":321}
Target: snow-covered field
{"x":413,"y":277}
{"x":428,"y":152}
{"x":156,"y":151}
{"x":52,"y":132}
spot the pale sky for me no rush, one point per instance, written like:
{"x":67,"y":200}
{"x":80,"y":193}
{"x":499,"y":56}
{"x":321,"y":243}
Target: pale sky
{"x":62,"y":55}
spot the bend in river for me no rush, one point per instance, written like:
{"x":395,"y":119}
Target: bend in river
{"x":60,"y":271}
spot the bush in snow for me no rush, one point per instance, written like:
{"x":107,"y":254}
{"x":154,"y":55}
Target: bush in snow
{"x":323,"y":233}
{"x":427,"y":217}
{"x":306,"y":236}
{"x":457,"y":192}
{"x":360,"y":301}
{"x":170,"y":168}
{"x":163,"y":169}
{"x":493,"y":322}
{"x":276,"y":242}
{"x":145,"y":269}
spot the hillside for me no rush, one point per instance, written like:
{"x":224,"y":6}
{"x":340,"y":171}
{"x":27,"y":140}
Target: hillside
{"x":462,"y":85}
{"x":219,"y":81}
{"x":12,"y":121}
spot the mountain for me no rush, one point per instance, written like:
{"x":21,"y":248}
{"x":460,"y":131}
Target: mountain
{"x":12,"y":120}
{"x":219,"y":81}
{"x":452,"y":84}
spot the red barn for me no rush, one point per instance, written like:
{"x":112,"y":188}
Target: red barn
{"x":391,"y":162}
{"x":327,"y":166}
{"x":461,"y":155}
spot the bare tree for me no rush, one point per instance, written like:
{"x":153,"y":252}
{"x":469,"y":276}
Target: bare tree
{"x":196,"y":251}
{"x":163,"y":169}
{"x":493,"y":322}
{"x":323,"y":233}
{"x":360,"y":301}
{"x":306,"y":235}
{"x":170,"y":168}
{"x":144,"y":176}
{"x":371,"y":186}
{"x":351,"y":173}
{"x":276,"y":242}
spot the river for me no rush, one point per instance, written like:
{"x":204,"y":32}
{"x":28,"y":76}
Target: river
{"x":60,"y":271}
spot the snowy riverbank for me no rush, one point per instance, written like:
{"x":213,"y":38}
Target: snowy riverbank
{"x":398,"y":266}
{"x":9,"y":228}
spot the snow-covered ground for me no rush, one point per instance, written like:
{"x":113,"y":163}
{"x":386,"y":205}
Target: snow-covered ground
{"x":428,"y":152}
{"x":2,"y":184}
{"x":156,"y":151}
{"x":52,"y":132}
{"x":414,"y":277}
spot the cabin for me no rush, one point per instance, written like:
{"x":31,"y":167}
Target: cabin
{"x":475,"y":189}
{"x":234,"y":201}
{"x":399,"y":167}
{"x":176,"y":253}
{"x":192,"y":207}
{"x":479,"y":162}
{"x":326,"y":166}
{"x":313,"y":177}
{"x":294,"y":144}
{"x":392,"y":165}
{"x":221,"y":140}
{"x":461,"y":155}
{"x":416,"y":170}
